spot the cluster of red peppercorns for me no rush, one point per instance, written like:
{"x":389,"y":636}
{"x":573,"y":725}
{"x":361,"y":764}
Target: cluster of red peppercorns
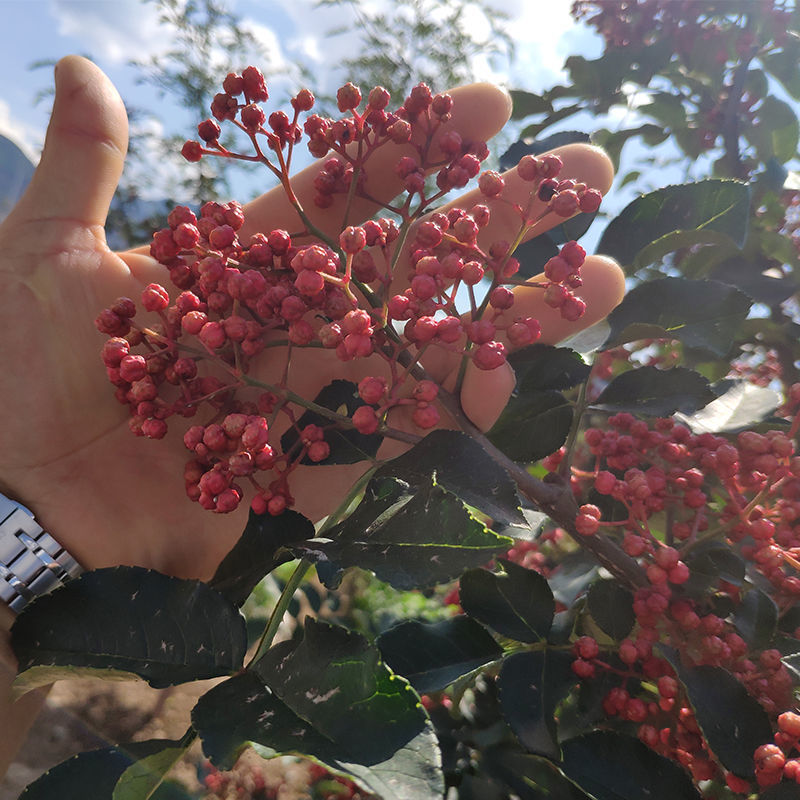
{"x":743,"y":490}
{"x":236,"y":296}
{"x":780,"y":760}
{"x":242,"y":783}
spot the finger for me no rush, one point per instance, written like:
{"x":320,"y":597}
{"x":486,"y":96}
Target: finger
{"x":484,"y":394}
{"x":581,"y":162}
{"x":479,"y":112}
{"x":83,"y":152}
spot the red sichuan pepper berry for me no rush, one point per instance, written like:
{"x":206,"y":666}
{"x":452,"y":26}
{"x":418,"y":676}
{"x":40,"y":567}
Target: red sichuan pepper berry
{"x":234,"y":296}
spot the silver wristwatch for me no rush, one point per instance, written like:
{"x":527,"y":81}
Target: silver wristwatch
{"x":32,"y":562}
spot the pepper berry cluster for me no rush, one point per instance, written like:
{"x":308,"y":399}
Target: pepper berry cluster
{"x":667,"y":495}
{"x":349,"y":294}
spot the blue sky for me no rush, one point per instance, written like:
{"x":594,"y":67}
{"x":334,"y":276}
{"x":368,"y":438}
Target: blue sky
{"x":114,"y":31}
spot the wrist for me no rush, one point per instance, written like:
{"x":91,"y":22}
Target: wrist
{"x":32,"y":562}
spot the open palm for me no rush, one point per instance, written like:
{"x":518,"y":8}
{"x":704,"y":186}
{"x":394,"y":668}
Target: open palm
{"x":65,"y":447}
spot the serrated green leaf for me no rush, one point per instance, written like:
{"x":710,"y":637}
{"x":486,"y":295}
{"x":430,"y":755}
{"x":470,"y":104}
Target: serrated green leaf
{"x":704,"y":315}
{"x":524,"y":104}
{"x":612,"y":766}
{"x":775,"y":133}
{"x":531,"y":686}
{"x":409,"y":537}
{"x":532,"y":425}
{"x":712,"y":562}
{"x":133,"y":621}
{"x":667,"y":108}
{"x":529,"y":777}
{"x":732,"y":720}
{"x":542,"y":366}
{"x":142,"y":778}
{"x":328,"y":697}
{"x":100,"y":770}
{"x":785,"y":66}
{"x":432,"y":655}
{"x":348,"y":446}
{"x":756,"y":619}
{"x":655,"y":392}
{"x":260,"y":549}
{"x":611,"y":607}
{"x":714,"y":205}
{"x":517,"y":603}
{"x":653,"y":253}
{"x":461,"y":466}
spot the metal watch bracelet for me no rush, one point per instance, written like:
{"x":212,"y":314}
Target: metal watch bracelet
{"x":32,"y":562}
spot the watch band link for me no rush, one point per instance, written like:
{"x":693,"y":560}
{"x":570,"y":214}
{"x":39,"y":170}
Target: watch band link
{"x":32,"y":562}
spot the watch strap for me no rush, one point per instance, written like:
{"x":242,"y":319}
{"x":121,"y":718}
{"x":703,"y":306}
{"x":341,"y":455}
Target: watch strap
{"x":32,"y":562}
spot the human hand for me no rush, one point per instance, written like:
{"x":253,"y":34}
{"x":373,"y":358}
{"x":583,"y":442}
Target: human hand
{"x":65,"y":449}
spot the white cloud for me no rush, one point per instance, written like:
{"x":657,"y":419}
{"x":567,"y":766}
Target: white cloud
{"x":113,"y":31}
{"x":26,"y":137}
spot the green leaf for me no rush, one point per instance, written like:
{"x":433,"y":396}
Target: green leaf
{"x":655,"y":392}
{"x":667,"y":108}
{"x":775,"y":133}
{"x":611,"y":607}
{"x":529,"y":777}
{"x":348,"y":446}
{"x":260,"y":549}
{"x":532,"y":425}
{"x":143,"y":777}
{"x":461,"y":466}
{"x":741,"y":405}
{"x":756,"y":619}
{"x":732,"y":721}
{"x":711,"y":562}
{"x":612,"y":766}
{"x":410,"y":537}
{"x":614,"y":141}
{"x":705,"y":315}
{"x":432,"y":655}
{"x":537,"y":419}
{"x":100,"y":770}
{"x":517,"y":603}
{"x":542,"y":366}
{"x":785,"y":66}
{"x":129,"y":621}
{"x":531,"y":687}
{"x":524,"y":104}
{"x":714,"y":205}
{"x":328,"y":697}
{"x":723,"y":246}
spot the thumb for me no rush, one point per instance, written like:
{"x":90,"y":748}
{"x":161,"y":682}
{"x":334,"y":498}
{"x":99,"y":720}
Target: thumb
{"x":84,"y":150}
